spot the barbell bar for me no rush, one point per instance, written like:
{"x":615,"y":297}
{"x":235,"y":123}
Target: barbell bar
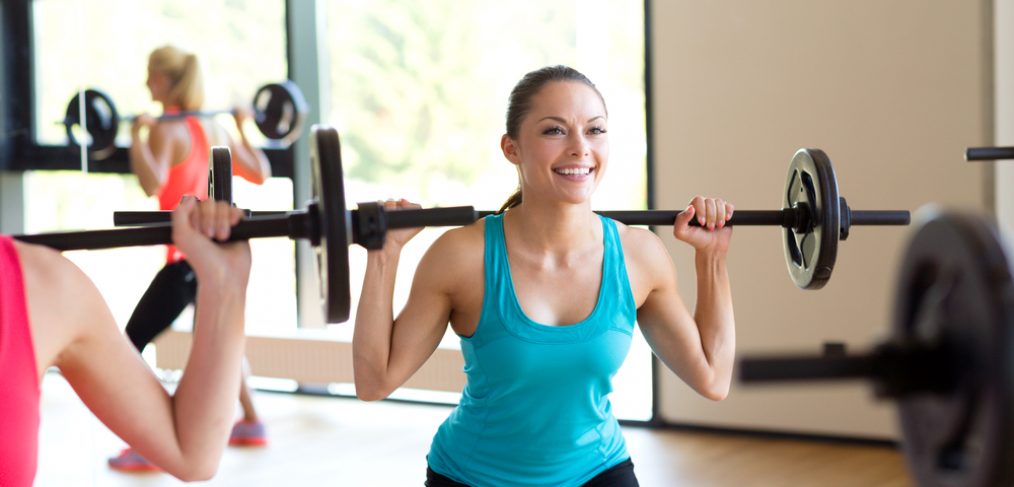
{"x":814,"y":218}
{"x":948,"y":363}
{"x":989,"y":153}
{"x":279,"y":113}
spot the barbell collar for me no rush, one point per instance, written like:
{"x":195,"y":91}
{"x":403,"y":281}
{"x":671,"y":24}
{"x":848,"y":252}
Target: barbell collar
{"x":370,"y":222}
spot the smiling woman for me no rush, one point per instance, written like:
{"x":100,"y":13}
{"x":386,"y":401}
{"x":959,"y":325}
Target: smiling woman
{"x":545,"y":298}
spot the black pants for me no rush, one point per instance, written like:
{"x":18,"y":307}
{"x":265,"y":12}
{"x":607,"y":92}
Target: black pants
{"x":172,"y":289}
{"x":622,"y":475}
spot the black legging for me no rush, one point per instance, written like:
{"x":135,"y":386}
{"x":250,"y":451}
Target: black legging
{"x":172,"y":289}
{"x":621,"y":475}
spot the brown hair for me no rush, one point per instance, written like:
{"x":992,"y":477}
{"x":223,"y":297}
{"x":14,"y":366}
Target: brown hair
{"x":184,"y":73}
{"x":520,"y":103}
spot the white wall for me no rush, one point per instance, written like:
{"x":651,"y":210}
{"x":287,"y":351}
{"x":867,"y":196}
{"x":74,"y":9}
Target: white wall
{"x":892,"y":91}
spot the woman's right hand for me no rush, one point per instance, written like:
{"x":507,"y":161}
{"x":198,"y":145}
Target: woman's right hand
{"x":396,"y":239}
{"x":240,"y":114}
{"x":196,"y":227}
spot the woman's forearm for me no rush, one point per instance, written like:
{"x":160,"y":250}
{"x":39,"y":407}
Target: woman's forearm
{"x":254,"y":159}
{"x":204,"y":401}
{"x":371,"y":340}
{"x":143,"y":165}
{"x":714,"y":317}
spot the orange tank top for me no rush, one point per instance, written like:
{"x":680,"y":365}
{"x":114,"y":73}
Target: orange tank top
{"x":189,"y":177}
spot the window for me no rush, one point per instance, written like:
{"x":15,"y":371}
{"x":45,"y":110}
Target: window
{"x":241,"y":45}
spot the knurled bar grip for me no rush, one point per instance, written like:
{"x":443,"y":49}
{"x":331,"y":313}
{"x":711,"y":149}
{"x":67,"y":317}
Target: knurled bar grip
{"x":878,"y":217}
{"x":431,"y":217}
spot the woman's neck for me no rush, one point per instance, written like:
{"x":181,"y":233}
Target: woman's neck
{"x":561,"y":228}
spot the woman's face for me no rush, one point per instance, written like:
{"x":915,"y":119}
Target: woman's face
{"x":158,"y":85}
{"x":562,"y":146}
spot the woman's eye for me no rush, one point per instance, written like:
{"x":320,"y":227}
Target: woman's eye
{"x":598,"y":130}
{"x":553,"y":131}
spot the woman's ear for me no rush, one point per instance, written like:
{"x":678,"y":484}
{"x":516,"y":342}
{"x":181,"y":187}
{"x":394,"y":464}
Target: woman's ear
{"x":510,"y":149}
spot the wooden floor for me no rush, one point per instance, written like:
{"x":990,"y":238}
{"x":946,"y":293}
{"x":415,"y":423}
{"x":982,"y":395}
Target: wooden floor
{"x":344,"y":442}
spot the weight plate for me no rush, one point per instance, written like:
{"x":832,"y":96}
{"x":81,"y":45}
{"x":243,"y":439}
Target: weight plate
{"x":812,"y":187}
{"x":280,"y":111}
{"x":955,"y":291}
{"x":220,"y":174}
{"x":101,"y":123}
{"x":328,"y":187}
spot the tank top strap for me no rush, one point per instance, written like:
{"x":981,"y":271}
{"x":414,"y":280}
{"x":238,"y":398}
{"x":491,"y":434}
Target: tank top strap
{"x":615,"y":280}
{"x":495,"y":274}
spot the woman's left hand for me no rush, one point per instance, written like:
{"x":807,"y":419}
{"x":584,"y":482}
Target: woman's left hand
{"x":713,"y":235}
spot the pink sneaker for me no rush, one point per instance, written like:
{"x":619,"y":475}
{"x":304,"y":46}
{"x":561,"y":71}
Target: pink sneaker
{"x":248,"y":433}
{"x":130,"y":461}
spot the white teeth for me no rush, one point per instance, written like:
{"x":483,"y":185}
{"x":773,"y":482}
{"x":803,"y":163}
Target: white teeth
{"x":574,"y":171}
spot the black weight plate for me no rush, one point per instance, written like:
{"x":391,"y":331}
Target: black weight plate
{"x":220,"y":174}
{"x":955,"y":290}
{"x":102,"y":122}
{"x":328,"y":187}
{"x":280,"y":111}
{"x":810,"y":252}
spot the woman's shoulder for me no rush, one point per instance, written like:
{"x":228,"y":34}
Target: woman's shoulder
{"x":637,"y":238}
{"x":461,"y":240}
{"x":45,"y":264}
{"x":454,"y":256}
{"x":642,"y":246}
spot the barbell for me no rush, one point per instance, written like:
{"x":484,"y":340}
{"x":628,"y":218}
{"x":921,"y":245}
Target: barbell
{"x":814,"y":218}
{"x":949,"y":361}
{"x":279,"y":113}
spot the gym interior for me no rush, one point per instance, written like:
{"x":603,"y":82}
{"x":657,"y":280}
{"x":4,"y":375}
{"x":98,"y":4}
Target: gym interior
{"x":704,"y":98}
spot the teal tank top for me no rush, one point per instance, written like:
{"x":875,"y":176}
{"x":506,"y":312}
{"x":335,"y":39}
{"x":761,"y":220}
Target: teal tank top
{"x":535,"y":408}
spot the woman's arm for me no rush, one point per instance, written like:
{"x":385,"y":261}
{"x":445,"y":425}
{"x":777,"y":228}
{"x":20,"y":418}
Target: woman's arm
{"x":150,"y":159}
{"x":387,"y":351}
{"x":185,"y":433}
{"x":250,"y":162}
{"x":699,"y":348}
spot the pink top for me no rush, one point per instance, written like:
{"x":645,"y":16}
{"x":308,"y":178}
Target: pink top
{"x":189,"y":177}
{"x":19,"y":380}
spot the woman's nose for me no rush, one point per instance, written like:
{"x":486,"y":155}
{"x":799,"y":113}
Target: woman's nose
{"x":578,"y":145}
